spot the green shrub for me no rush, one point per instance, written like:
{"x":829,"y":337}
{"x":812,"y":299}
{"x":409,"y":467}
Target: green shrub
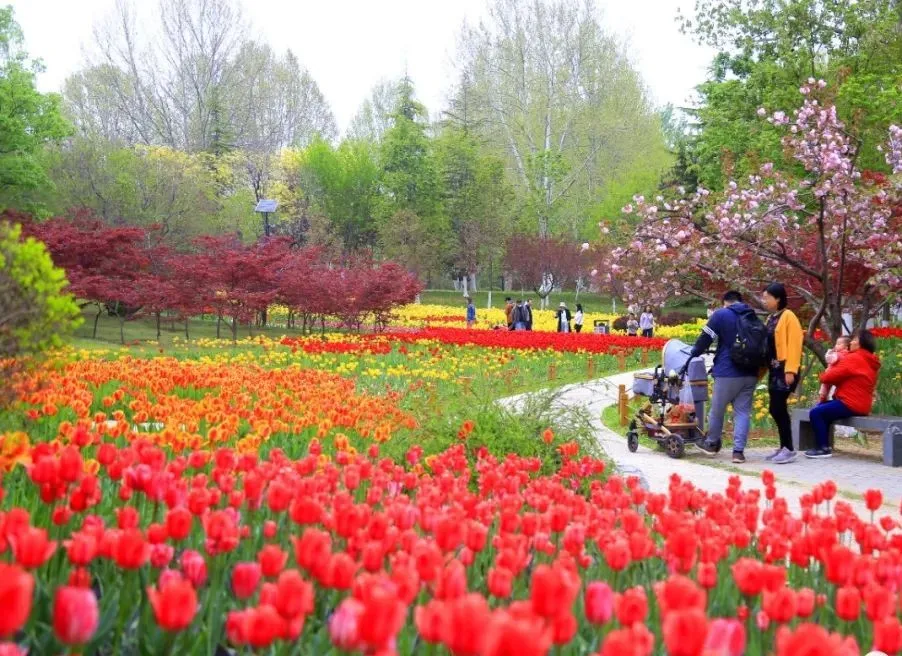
{"x":35,"y":311}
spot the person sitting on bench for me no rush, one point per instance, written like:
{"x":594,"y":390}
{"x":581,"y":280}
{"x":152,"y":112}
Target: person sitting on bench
{"x":855,"y":378}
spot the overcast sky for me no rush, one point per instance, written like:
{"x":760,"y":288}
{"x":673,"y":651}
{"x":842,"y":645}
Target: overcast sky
{"x":349,"y":45}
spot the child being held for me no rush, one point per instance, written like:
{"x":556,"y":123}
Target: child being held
{"x":834,"y":355}
{"x":632,"y":326}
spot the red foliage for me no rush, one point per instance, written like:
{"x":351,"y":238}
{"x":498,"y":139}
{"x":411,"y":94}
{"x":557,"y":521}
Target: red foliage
{"x":127,"y":268}
{"x":541,"y":264}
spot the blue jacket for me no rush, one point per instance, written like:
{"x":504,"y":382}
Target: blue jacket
{"x":471,"y":313}
{"x":722,"y":326}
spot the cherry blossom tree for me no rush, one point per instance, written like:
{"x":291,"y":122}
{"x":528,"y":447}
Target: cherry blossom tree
{"x":830,"y":233}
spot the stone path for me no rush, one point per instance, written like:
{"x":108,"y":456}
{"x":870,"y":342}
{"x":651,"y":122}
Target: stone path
{"x":853,"y":475}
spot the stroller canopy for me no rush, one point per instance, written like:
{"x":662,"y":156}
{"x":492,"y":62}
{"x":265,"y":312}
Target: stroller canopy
{"x":675,"y":355}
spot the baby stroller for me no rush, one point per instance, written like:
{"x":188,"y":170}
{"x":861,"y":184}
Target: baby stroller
{"x":675,"y":411}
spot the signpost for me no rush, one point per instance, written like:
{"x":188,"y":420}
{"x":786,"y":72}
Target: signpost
{"x":266,"y":207}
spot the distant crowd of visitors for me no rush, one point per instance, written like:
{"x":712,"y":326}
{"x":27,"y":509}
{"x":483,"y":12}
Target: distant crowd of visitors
{"x":518,"y":315}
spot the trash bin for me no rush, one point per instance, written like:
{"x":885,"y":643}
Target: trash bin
{"x":602,"y":327}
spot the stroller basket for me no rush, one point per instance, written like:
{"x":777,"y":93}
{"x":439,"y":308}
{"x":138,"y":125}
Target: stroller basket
{"x":643,"y":384}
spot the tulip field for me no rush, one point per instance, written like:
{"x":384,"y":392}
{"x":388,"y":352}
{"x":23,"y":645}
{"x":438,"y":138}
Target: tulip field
{"x":364,"y":494}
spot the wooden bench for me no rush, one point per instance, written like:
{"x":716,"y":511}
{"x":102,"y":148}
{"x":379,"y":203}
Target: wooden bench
{"x":891,"y":427}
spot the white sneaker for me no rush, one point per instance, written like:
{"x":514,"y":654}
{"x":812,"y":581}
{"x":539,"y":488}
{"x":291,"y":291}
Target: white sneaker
{"x":776,"y":452}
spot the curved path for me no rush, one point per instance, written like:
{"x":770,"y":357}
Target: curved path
{"x":852,"y":475}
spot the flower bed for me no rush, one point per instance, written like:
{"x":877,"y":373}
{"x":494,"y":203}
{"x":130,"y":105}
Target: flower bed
{"x":527,"y":340}
{"x":116,"y":545}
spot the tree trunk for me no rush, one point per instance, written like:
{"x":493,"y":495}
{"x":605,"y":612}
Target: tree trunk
{"x":121,"y":328}
{"x":159,"y":318}
{"x":187,"y":337}
{"x":234,"y":328}
{"x":473,"y":283}
{"x":463,"y":286}
{"x":97,"y":319}
{"x":218,"y":324}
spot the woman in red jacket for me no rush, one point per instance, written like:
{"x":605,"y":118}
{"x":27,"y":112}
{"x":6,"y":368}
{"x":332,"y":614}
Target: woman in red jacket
{"x":855,"y":378}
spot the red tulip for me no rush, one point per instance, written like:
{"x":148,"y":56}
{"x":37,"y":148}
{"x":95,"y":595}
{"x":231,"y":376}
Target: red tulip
{"x":879,"y":602}
{"x":781,"y":606}
{"x":31,"y":548}
{"x":75,"y":615}
{"x":500,"y":582}
{"x":194,"y":567}
{"x":344,"y":624}
{"x":848,"y":603}
{"x":553,"y":591}
{"x":81,"y":548}
{"x":245,"y":579}
{"x":813,"y":640}
{"x":80,"y":578}
{"x":888,"y":635}
{"x":873,"y":499}
{"x":262,"y":626}
{"x":16,"y":588}
{"x":685,"y":632}
{"x":461,"y":614}
{"x":11,"y":649}
{"x":599,"y":602}
{"x":294,"y":595}
{"x":726,"y":637}
{"x":174,"y":605}
{"x":178,"y":523}
{"x":131,"y":551}
{"x":341,"y":570}
{"x":631,"y":606}
{"x":805,"y":600}
{"x":430,"y":620}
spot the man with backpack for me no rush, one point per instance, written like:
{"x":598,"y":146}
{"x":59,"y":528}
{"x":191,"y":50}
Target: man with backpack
{"x":741,"y":351}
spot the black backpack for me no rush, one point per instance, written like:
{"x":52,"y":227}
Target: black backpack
{"x":749,"y":351}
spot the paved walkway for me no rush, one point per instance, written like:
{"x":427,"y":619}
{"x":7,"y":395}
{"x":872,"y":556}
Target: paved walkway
{"x":852,"y":475}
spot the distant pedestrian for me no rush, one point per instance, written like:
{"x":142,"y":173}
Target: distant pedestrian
{"x":647,"y":322}
{"x":578,"y":318}
{"x":471,"y":313}
{"x":508,"y":312}
{"x":563,"y":317}
{"x":785,"y":339}
{"x":632,"y":326}
{"x":519,"y":316}
{"x":527,"y":313}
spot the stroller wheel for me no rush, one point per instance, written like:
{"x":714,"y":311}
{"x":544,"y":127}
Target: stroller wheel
{"x":632,"y":441}
{"x":674,"y":446}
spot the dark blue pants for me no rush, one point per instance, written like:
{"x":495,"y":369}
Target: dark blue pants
{"x":821,"y":416}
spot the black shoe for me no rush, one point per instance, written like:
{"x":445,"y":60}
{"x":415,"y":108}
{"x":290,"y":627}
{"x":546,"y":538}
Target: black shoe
{"x":738,"y":458}
{"x":708,"y":448}
{"x":819,"y":453}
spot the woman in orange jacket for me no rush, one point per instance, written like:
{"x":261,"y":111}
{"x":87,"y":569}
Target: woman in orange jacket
{"x":785,"y":339}
{"x":855,"y":378}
